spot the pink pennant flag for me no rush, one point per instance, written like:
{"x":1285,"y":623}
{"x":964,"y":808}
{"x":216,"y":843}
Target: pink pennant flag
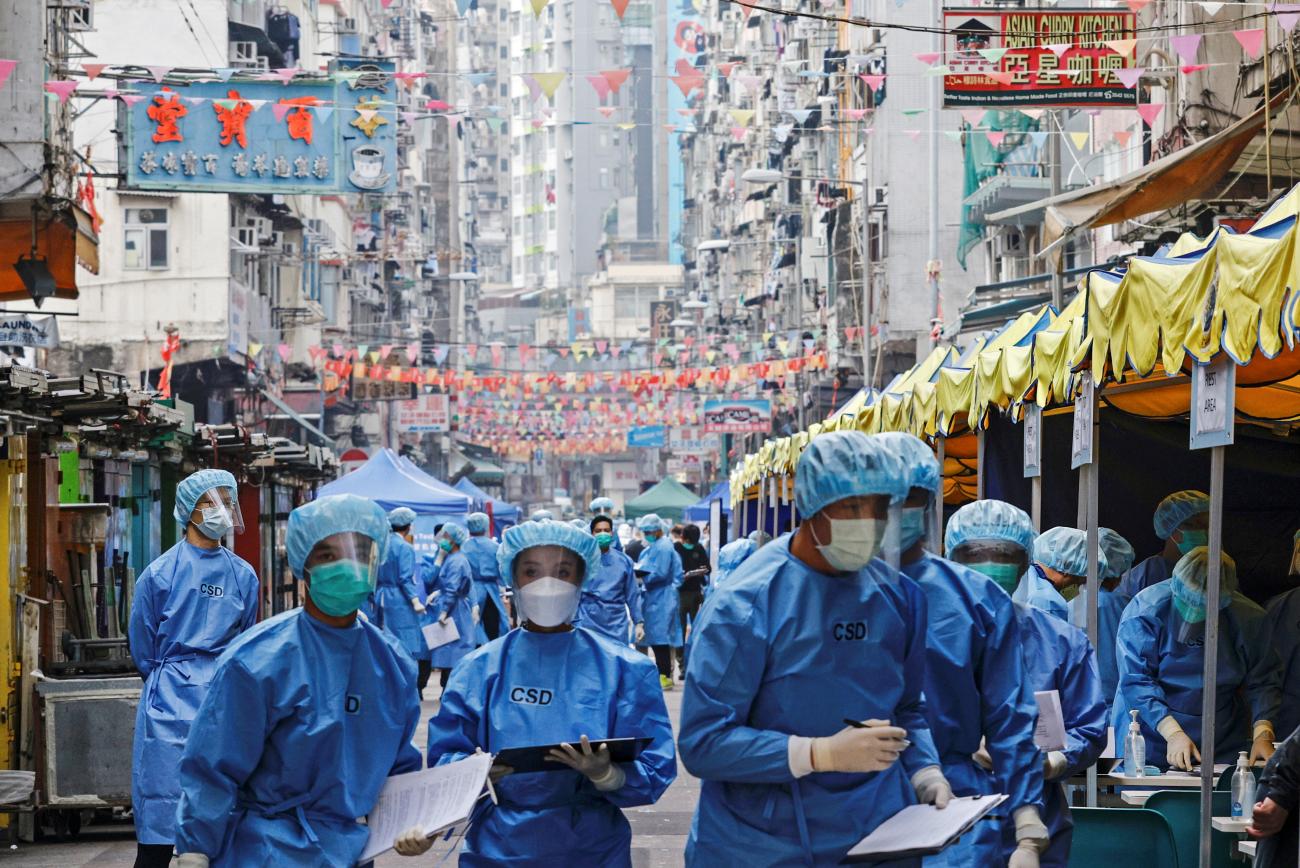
{"x":1252,"y":41}
{"x":385,"y":350}
{"x":738,"y":134}
{"x":607,"y":110}
{"x":913,"y":134}
{"x":437,"y":105}
{"x":620,"y":6}
{"x":1058,"y":48}
{"x":412,"y":351}
{"x":158,"y":72}
{"x":1122,"y":137}
{"x":538,"y":123}
{"x":929,"y":58}
{"x":1128,"y":76}
{"x":873,"y":82}
{"x":855,"y":114}
{"x":62,"y":88}
{"x":1185,"y":46}
{"x":1003,"y":78}
{"x":338,"y":351}
{"x":111,"y":93}
{"x":534,"y":89}
{"x":615,"y":77}
{"x":1122,"y":47}
{"x":1189,"y":68}
{"x":285,"y":351}
{"x":6,"y":67}
{"x":93,"y":70}
{"x":1287,"y":15}
{"x":601,"y":84}
{"x":972,"y":116}
{"x":727,"y":68}
{"x":1136,"y":6}
{"x":995,"y":137}
{"x":749,"y":82}
{"x":1150,"y":111}
{"x":286,"y":75}
{"x":280,"y":109}
{"x":131,"y":98}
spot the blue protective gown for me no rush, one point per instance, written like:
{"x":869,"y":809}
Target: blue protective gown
{"x":661,"y":578}
{"x":1036,"y":590}
{"x":1143,"y":575}
{"x":973,"y":687}
{"x":1284,"y":629}
{"x":607,"y":598}
{"x":783,"y":650}
{"x":189,"y":605}
{"x":389,"y":605}
{"x":1160,"y":675}
{"x":481,"y":551}
{"x":587,"y":685}
{"x":301,"y":726}
{"x":426,"y":581}
{"x":455,"y":585}
{"x":1110,"y":607}
{"x":1058,"y":657}
{"x":730,"y":556}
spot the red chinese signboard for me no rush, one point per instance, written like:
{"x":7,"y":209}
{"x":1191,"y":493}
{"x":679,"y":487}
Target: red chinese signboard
{"x":1010,"y":58}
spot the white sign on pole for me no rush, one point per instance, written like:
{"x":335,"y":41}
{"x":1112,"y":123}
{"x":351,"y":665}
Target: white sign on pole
{"x":1213,"y":408}
{"x":1081,"y":440}
{"x":425,"y":413}
{"x":1033,"y":432}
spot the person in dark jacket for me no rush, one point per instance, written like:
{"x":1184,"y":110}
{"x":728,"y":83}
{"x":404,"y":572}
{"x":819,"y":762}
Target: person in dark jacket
{"x":695,"y":572}
{"x":1274,"y":822}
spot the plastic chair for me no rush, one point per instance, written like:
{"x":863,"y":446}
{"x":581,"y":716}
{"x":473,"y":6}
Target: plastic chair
{"x":1182,"y":810}
{"x":1109,"y":837}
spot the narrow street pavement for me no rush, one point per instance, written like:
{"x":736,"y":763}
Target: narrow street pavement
{"x":659,"y":831}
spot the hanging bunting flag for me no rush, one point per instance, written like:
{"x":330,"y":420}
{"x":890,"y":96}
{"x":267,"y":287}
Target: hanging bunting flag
{"x":992,"y":55}
{"x":801,"y":115}
{"x":158,"y":72}
{"x":1058,"y":48}
{"x":1136,"y":6}
{"x":974,"y":117}
{"x":606,"y":110}
{"x":6,"y":68}
{"x":687,"y":82}
{"x":855,"y":114}
{"x":938,"y":70}
{"x":1251,"y":41}
{"x":913,"y":112}
{"x":750,"y":82}
{"x":1185,"y":45}
{"x":534,"y":88}
{"x":601,"y":86}
{"x":92,"y":70}
{"x":995,"y":137}
{"x":437,"y":105}
{"x":627,"y":126}
{"x":1129,"y":76}
{"x":1122,"y":137}
{"x":1080,"y":140}
{"x":412,"y":351}
{"x":1188,"y":69}
{"x":873,"y":82}
{"x":738,"y":134}
{"x":727,"y":67}
{"x":1003,"y":78}
{"x":284,"y":351}
{"x":1211,"y":7}
{"x":538,"y":6}
{"x":62,"y":88}
{"x":615,"y":77}
{"x":620,"y":6}
{"x":742,"y":117}
{"x":1122,"y":47}
{"x":929,"y":58}
{"x":1287,"y":15}
{"x":1150,"y":111}
{"x":914,"y":135}
{"x":1033,"y":114}
{"x":549,"y":82}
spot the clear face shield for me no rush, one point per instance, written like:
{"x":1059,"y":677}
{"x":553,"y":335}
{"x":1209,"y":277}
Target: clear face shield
{"x":1002,"y":561}
{"x":547,"y":584}
{"x":341,"y":571}
{"x":216,"y":513}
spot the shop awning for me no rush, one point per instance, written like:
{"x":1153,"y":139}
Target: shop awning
{"x":297,"y":417}
{"x":1186,"y":174}
{"x":62,"y":240}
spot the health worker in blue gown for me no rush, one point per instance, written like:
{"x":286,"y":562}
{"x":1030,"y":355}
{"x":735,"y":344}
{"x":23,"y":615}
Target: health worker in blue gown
{"x":660,"y":570}
{"x":987,"y":535}
{"x":486,"y":607}
{"x":974,"y":674}
{"x":455,"y":599}
{"x":1059,"y":568}
{"x":308,"y":713}
{"x":731,"y":556}
{"x":551,"y":683}
{"x":1110,"y":608}
{"x":189,"y":604}
{"x":1161,"y":655}
{"x":1182,"y":520}
{"x":397,"y":603}
{"x":611,"y":602}
{"x":811,"y":631}
{"x":1284,"y":630}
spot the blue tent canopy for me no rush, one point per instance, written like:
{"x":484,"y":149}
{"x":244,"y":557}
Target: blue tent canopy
{"x":503,"y":514}
{"x":700,"y":511}
{"x":392,"y":481}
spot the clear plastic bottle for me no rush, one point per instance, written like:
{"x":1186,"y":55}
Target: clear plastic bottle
{"x":1243,"y":789}
{"x":1135,"y":749}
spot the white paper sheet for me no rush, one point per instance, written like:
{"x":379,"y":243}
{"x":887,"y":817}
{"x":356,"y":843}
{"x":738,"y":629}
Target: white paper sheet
{"x":925,"y":827}
{"x":1049,"y":732}
{"x":434,"y":799}
{"x":436,"y":635}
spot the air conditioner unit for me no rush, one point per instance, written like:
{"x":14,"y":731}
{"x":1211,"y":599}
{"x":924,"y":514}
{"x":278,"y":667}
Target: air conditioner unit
{"x":275,"y":239}
{"x":243,"y":54}
{"x":347,"y":25}
{"x":314,"y":226}
{"x":289,"y":248}
{"x":247,"y":237}
{"x":261,"y":226}
{"x":879,"y":196}
{"x":568,"y":155}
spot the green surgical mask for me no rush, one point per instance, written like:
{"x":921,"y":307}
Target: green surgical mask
{"x":339,"y":588}
{"x":1192,"y":539}
{"x":688,"y":546}
{"x":1070,"y":592}
{"x":445,"y":545}
{"x":604,"y":540}
{"x":1006,"y":575}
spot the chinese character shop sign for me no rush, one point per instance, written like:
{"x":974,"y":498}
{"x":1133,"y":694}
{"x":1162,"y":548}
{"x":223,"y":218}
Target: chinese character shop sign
{"x":325,"y":136}
{"x":1002,"y":58}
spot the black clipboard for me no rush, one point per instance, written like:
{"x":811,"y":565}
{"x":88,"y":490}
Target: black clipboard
{"x":533,"y":759}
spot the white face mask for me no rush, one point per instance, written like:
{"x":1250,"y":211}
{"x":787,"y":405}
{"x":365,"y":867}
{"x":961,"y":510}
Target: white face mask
{"x":854,"y":542}
{"x":216,"y":523}
{"x":548,"y":601}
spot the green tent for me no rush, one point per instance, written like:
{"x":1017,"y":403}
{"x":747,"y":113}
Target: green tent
{"x":668,"y":499}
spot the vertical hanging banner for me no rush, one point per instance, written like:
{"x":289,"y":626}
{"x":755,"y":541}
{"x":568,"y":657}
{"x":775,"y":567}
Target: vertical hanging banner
{"x":1033,"y":433}
{"x":1004,"y":58}
{"x":1213,"y":410}
{"x":1081,"y":436}
{"x":323,"y":135}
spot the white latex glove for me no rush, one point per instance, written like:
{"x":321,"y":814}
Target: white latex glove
{"x":596,"y":765}
{"x":498,"y":770}
{"x":474,"y":614}
{"x":1180,"y":750}
{"x":191,"y":860}
{"x":982,"y":758}
{"x":429,"y":600}
{"x":1054,"y":765}
{"x":1031,"y":837}
{"x":417,"y":605}
{"x":1024,"y":856}
{"x":640,"y":633}
{"x":412,"y":842}
{"x":443,"y":618}
{"x":1261,"y":747}
{"x":872,"y":748}
{"x":931,"y":787}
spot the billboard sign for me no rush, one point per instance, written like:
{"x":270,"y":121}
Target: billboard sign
{"x":662,"y":313}
{"x":647,"y":437}
{"x":1013,"y":57}
{"x":620,"y":475}
{"x":425,"y":414}
{"x":21,"y":330}
{"x":332,"y":135}
{"x":692,"y":440}
{"x":738,"y":417}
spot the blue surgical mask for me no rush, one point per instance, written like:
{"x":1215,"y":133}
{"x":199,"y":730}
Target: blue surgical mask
{"x":445,"y":545}
{"x":604,"y":540}
{"x":339,"y":588}
{"x":1192,"y":539}
{"x":1006,"y":575}
{"x":216,"y":523}
{"x":911,"y":527}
